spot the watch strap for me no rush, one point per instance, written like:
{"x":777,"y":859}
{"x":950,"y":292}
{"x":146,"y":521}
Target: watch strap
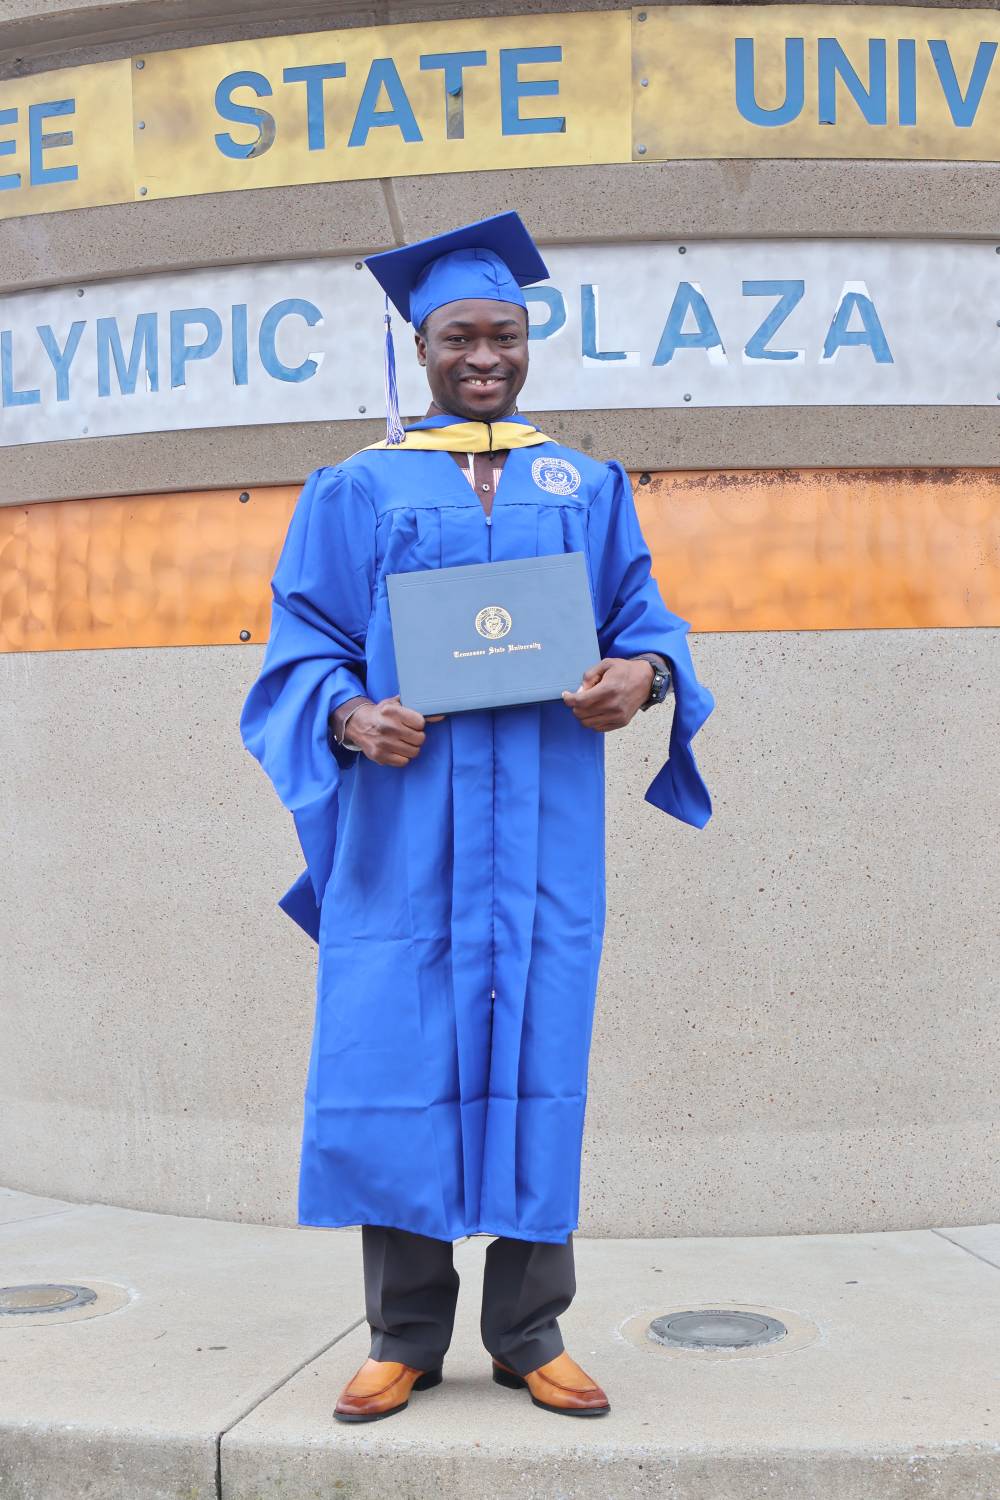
{"x":658,"y":688}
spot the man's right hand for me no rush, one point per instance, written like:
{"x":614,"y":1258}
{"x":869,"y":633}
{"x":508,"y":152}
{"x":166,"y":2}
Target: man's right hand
{"x":388,"y":733}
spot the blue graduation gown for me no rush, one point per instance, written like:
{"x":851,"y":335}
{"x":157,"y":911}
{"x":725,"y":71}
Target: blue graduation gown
{"x":458,"y":902}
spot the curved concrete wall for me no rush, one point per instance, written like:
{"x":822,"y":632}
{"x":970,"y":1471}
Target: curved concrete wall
{"x":796,"y":1004}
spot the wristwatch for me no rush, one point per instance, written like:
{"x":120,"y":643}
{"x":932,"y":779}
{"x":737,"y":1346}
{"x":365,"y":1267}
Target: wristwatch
{"x":659,"y":688}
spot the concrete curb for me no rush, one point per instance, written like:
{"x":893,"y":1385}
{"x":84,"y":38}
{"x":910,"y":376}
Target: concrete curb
{"x":216,"y":1379}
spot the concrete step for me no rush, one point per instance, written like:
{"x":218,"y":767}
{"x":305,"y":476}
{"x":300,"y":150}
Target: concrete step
{"x":213,"y":1374}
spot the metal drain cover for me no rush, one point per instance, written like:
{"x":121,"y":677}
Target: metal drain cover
{"x":707,"y":1331}
{"x":715,"y":1328}
{"x":37,"y":1304}
{"x":43,"y":1296}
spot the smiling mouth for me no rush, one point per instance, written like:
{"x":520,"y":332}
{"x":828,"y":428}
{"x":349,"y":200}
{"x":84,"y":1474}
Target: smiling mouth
{"x":484,"y":382}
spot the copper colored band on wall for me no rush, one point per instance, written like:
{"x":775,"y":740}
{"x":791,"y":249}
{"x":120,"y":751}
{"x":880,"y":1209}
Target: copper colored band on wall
{"x":786,"y":549}
{"x":140,"y":570}
{"x":826,"y":549}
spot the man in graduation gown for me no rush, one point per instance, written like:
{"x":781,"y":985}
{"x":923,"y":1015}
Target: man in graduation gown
{"x":455,"y":867}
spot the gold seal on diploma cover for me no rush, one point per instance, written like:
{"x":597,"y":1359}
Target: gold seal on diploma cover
{"x":493,"y":622}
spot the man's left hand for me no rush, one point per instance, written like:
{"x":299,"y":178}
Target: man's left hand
{"x":611,"y":693}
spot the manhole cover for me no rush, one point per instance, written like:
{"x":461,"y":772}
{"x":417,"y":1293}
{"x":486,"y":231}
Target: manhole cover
{"x":43,"y":1296}
{"x":715,"y":1328}
{"x":39,"y":1304}
{"x":713,"y":1331}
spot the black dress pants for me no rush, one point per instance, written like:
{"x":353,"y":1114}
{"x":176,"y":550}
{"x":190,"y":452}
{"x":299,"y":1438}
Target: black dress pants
{"x":411,"y":1288}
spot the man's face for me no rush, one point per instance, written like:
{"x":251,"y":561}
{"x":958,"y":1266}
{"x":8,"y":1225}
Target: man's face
{"x":476,"y":356}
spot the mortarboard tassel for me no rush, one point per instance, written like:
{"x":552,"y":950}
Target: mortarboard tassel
{"x":394,"y":433}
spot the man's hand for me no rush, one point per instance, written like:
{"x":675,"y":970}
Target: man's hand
{"x":387,"y":732}
{"x":611,"y":693}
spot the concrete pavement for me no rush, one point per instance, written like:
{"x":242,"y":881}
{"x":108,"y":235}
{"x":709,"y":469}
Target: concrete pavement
{"x":214,"y":1372}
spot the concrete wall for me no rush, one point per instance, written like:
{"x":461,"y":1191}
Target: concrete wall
{"x":797,"y":1004}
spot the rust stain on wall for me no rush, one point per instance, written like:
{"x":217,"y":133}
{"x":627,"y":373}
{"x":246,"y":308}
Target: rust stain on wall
{"x":821,"y":549}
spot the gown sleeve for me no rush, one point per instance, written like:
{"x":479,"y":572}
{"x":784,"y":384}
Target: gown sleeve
{"x":315,"y":660}
{"x":631,"y":619}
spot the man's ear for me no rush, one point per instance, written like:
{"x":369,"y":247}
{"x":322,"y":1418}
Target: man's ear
{"x":421,"y":344}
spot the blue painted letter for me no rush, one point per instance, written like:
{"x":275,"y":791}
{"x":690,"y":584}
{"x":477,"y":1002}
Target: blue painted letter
{"x":554,"y":300}
{"x":688,"y":298}
{"x":963,"y":110}
{"x":795,"y":83}
{"x":145,"y":345}
{"x":39,"y":141}
{"x":241,"y":374}
{"x":871,"y":100}
{"x":906,"y":73}
{"x":453,"y":65}
{"x":513,"y":89}
{"x":268,"y":328}
{"x":314,"y":75}
{"x":789,"y":295}
{"x":61,"y":359}
{"x":7,"y":148}
{"x":856,"y":295}
{"x":244,"y":114}
{"x":588,"y":324}
{"x":383,"y":74}
{"x":181,"y":352}
{"x":9,"y":395}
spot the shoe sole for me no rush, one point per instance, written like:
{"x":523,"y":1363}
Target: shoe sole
{"x":518,"y":1382}
{"x":425,"y":1382}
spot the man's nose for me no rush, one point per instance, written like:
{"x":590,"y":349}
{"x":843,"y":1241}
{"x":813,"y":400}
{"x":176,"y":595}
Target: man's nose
{"x":481,"y":355}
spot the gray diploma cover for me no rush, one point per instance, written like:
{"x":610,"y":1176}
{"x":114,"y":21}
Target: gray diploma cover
{"x":492,"y":634}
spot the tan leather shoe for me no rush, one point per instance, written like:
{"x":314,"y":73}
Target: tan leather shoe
{"x":380,"y":1389}
{"x":560,"y":1386}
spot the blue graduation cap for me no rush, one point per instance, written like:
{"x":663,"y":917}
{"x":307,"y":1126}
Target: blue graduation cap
{"x":492,"y":259}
